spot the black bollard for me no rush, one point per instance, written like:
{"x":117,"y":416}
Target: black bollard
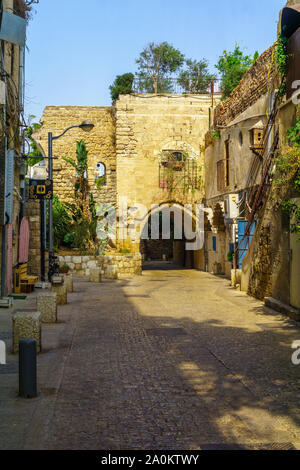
{"x":27,"y":368}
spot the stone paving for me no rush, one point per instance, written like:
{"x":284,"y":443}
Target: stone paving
{"x":168,"y":360}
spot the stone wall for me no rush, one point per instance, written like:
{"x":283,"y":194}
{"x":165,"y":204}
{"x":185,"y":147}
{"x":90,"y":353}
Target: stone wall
{"x":254,"y":84}
{"x":100,"y":143}
{"x":79,"y":264}
{"x":267,"y":265}
{"x":146,"y":125}
{"x":129,"y":140}
{"x":241,"y":157}
{"x":33,"y":214}
{"x":127,"y":264}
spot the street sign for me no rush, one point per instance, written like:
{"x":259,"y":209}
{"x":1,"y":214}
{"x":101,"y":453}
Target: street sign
{"x":40,"y":189}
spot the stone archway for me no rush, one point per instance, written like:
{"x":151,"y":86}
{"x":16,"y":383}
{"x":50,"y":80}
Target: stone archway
{"x":171,"y":241}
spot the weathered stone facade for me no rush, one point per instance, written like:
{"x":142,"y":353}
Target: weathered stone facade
{"x":12,"y":79}
{"x":254,"y":85}
{"x":126,"y":264}
{"x":129,"y":140}
{"x":100,"y":143}
{"x":271,"y":266}
{"x":80,"y":265}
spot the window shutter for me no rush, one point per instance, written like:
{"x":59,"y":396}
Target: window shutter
{"x":9,"y":185}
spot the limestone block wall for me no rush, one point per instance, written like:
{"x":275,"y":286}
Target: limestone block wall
{"x":267,"y":265}
{"x":216,"y":259}
{"x":250,"y":89}
{"x":33,"y":214}
{"x":145,"y":126}
{"x":100,"y":143}
{"x":79,"y":264}
{"x":126,"y":264}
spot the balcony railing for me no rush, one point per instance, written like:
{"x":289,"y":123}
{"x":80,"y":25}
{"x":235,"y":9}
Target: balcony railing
{"x":181,"y":176}
{"x":175,"y":87}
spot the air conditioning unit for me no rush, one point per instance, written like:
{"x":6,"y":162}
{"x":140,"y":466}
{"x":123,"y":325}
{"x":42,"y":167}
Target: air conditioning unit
{"x":231,"y":209}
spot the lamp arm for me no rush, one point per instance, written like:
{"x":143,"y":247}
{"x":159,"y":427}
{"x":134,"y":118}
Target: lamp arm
{"x":58,"y":136}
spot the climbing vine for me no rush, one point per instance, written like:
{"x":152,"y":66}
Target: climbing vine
{"x":178,"y":176}
{"x":282,"y":57}
{"x":287,"y":175}
{"x":34,"y":148}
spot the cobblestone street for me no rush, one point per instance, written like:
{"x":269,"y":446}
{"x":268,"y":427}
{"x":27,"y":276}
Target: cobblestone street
{"x":169,"y":360}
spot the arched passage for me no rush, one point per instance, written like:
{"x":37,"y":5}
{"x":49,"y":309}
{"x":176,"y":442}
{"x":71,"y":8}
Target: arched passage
{"x":168,"y":236}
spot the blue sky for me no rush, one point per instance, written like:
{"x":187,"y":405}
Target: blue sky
{"x":76,"y":48}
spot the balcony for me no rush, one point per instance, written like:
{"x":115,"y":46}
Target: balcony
{"x":174,"y":87}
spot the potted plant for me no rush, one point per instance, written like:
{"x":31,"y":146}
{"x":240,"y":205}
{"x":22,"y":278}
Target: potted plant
{"x":64,"y":269}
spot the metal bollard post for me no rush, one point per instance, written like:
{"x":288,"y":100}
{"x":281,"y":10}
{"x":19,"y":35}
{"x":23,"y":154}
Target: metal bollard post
{"x":27,"y":368}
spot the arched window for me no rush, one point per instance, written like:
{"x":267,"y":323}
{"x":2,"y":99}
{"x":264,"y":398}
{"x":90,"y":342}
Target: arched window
{"x":100,"y":174}
{"x":173,"y":159}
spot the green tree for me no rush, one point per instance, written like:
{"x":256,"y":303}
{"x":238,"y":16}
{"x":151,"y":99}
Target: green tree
{"x":233,"y":66}
{"x":155,"y":65}
{"x":83,"y":230}
{"x":61,"y":222}
{"x":196,"y":78}
{"x":81,"y":184}
{"x":121,"y":86}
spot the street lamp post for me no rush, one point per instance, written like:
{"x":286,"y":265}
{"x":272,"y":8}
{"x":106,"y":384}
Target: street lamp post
{"x":86,"y":126}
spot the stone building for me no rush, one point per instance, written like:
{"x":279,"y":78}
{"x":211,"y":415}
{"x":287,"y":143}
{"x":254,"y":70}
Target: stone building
{"x":233,"y":160}
{"x":13,"y":224}
{"x":250,"y":131}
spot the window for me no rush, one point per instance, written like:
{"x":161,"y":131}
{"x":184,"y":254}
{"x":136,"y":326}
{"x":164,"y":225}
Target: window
{"x":214,"y":242}
{"x":241,"y":139}
{"x":100,"y":174}
{"x":173,"y":159}
{"x":220,"y":176}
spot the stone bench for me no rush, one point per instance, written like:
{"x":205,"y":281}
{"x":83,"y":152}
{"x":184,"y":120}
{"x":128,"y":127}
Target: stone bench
{"x":47,"y":305}
{"x":27,"y":325}
{"x":95,"y":275}
{"x":60,"y":289}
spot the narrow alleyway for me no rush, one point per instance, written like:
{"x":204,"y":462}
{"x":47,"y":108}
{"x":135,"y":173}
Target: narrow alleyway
{"x":172,"y":360}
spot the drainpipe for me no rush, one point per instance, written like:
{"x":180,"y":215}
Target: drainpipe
{"x":3,"y":249}
{"x":271,"y":125}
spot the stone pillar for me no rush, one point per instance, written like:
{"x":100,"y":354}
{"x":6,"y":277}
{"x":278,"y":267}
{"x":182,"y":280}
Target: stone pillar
{"x":59,"y":287}
{"x":27,"y":325}
{"x":47,"y":305}
{"x":95,"y":275}
{"x":111,"y":272}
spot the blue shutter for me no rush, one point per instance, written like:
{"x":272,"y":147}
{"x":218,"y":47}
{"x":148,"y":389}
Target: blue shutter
{"x":9,"y":185}
{"x":244,"y":245}
{"x":214,"y":240}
